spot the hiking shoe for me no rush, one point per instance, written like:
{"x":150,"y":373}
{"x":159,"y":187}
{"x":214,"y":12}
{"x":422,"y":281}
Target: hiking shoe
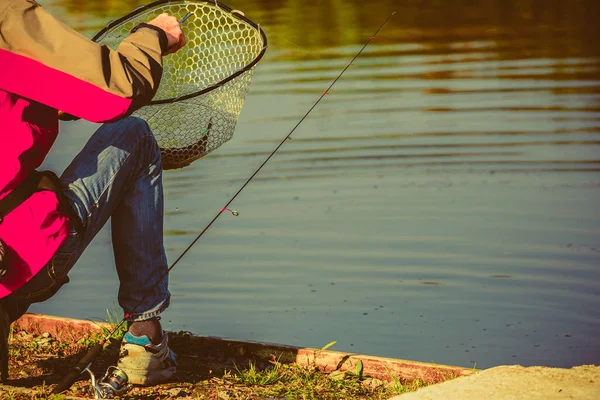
{"x":146,"y":363}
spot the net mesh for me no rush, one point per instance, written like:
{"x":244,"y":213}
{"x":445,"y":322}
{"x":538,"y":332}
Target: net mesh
{"x":219,"y":44}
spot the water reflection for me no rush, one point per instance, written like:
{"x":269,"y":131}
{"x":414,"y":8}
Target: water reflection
{"x":451,"y":176}
{"x":552,"y":30}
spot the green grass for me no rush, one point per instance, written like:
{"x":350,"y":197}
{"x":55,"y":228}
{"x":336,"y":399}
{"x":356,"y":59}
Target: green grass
{"x":201,"y":375}
{"x":113,"y":319}
{"x":292,"y":381}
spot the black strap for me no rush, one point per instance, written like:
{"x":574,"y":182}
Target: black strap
{"x":37,"y":181}
{"x":3,"y":262}
{"x":19,"y":194}
{"x":50,"y":181}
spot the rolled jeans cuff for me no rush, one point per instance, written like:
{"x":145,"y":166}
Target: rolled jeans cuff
{"x":151,"y":313}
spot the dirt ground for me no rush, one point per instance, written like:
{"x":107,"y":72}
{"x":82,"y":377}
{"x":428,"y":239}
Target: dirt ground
{"x":517,"y":383}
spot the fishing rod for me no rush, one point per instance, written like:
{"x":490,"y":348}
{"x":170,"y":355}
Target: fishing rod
{"x":96,"y":350}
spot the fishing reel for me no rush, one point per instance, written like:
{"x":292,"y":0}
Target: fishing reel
{"x":113,"y":383}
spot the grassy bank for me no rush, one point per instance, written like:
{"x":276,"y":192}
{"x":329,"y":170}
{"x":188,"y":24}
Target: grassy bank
{"x":38,"y":361}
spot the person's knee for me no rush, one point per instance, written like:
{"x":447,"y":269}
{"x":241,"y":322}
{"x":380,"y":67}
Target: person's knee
{"x":139,"y":130}
{"x":136,"y":127}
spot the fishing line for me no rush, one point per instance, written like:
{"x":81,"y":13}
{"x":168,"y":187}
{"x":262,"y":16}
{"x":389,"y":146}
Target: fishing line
{"x":86,"y":361}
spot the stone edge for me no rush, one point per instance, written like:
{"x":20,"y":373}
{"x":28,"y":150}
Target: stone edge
{"x":327,"y":360}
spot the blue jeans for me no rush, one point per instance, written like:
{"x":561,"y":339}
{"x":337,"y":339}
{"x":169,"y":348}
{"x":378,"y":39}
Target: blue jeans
{"x":117,"y":175}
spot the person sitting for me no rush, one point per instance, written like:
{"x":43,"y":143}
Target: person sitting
{"x":46,"y":222}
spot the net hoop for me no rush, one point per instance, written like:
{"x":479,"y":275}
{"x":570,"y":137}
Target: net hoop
{"x":204,"y":84}
{"x":141,"y":9}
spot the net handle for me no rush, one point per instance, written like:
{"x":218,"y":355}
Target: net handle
{"x":220,"y":6}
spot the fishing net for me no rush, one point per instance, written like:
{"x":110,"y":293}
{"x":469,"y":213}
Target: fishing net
{"x":204,"y":84}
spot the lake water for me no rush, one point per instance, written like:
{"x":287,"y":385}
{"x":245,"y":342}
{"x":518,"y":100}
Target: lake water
{"x":441,"y":204}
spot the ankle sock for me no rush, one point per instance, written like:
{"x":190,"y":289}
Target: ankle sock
{"x":150,"y":328}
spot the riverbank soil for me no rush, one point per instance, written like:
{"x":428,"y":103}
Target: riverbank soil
{"x":205,"y":371}
{"x":517,"y":383}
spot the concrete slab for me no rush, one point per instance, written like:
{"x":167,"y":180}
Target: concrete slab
{"x":517,"y":383}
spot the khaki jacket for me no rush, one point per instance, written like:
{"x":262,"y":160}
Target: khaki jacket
{"x":46,"y":61}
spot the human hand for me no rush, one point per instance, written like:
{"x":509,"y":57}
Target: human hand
{"x":170,"y":25}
